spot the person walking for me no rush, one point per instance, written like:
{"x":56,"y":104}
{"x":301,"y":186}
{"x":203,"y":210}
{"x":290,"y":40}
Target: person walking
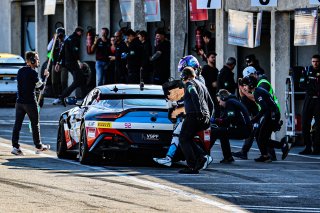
{"x":70,"y":58}
{"x":28,"y":81}
{"x":198,"y":107}
{"x":310,"y":81}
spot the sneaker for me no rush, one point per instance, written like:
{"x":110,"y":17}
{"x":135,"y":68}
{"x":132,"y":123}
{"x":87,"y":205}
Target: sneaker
{"x":16,"y":151}
{"x":163,"y":161}
{"x":241,"y":155}
{"x":188,"y":171}
{"x":44,"y":147}
{"x":57,"y":101}
{"x":209,"y":160}
{"x":263,"y":159}
{"x":285,"y":150}
{"x":306,"y":151}
{"x":227,"y":161}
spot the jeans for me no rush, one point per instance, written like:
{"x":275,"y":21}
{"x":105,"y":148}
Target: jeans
{"x":32,"y":111}
{"x":101,"y":72}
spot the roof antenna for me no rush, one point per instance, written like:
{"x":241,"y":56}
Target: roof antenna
{"x":115,"y":89}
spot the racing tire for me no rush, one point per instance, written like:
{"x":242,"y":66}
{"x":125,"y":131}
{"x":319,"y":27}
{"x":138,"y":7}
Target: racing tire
{"x":85,"y":157}
{"x":61,"y":143}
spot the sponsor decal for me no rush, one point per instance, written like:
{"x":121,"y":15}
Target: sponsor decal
{"x":151,"y":137}
{"x":91,"y":132}
{"x":104,"y":125}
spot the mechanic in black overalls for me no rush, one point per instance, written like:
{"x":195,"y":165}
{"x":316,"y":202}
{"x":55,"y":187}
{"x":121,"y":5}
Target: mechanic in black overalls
{"x":234,"y":122}
{"x":268,"y":120}
{"x":310,"y":81}
{"x":198,"y":107}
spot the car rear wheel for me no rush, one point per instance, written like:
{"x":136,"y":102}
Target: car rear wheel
{"x":61,"y":142}
{"x":85,"y":157}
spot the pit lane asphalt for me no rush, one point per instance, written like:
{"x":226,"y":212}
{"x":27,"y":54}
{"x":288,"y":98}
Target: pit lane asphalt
{"x":282,"y":186}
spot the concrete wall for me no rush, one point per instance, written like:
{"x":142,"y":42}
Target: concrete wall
{"x":6,"y":24}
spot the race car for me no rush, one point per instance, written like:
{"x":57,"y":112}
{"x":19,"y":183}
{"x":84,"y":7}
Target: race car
{"x":9,"y":66}
{"x":113,"y":119}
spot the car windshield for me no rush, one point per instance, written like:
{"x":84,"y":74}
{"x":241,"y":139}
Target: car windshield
{"x":132,"y":103}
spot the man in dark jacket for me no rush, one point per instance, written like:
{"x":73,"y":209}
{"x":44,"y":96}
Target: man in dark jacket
{"x":121,"y":74}
{"x":234,"y":122}
{"x":161,"y":59}
{"x":198,"y":107}
{"x":226,"y":76}
{"x":209,"y":45}
{"x":146,"y":67}
{"x":70,"y":58}
{"x":134,"y":57}
{"x":28,"y":81}
{"x":310,"y":81}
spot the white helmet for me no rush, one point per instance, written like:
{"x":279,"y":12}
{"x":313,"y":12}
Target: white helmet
{"x":248,"y":71}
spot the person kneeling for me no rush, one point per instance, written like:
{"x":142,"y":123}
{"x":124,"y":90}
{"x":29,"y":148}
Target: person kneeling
{"x":233,"y":123}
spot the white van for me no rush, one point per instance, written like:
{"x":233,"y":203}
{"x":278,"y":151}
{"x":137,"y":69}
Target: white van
{"x":9,"y":66}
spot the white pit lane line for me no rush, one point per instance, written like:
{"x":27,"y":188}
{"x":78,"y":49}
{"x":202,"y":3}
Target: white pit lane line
{"x":229,"y":208}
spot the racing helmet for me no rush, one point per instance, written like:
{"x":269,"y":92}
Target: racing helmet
{"x":188,"y":61}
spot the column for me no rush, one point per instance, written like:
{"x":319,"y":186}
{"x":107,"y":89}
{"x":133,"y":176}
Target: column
{"x":102,"y":14}
{"x":41,"y":30}
{"x":280,"y":58}
{"x":138,"y":15}
{"x":223,"y":49}
{"x":12,"y":46}
{"x":70,"y":15}
{"x":178,"y":33}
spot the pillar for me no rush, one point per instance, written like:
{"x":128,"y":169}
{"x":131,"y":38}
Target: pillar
{"x":41,"y":22}
{"x":280,"y":58}
{"x":178,"y":34}
{"x":138,"y":17}
{"x":102,"y":14}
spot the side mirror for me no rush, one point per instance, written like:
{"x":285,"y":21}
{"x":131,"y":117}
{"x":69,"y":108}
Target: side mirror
{"x":71,"y":100}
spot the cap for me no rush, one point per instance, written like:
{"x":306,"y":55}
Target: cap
{"x":248,"y":71}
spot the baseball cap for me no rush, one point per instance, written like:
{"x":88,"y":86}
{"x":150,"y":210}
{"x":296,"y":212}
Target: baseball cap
{"x":248,"y":71}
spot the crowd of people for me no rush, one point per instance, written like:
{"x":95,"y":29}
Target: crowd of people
{"x":125,"y":57}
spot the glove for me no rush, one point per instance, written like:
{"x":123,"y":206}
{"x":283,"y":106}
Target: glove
{"x":124,"y":55}
{"x":212,"y":120}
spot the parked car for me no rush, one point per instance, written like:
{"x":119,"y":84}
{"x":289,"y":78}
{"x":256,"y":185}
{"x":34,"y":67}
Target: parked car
{"x":115,"y":119}
{"x":9,"y":66}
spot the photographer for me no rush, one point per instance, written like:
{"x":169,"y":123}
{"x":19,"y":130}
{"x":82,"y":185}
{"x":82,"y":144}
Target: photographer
{"x":234,"y":122}
{"x":102,"y":47}
{"x":28,"y":81}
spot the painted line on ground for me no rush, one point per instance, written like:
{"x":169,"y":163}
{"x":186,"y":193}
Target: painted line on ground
{"x":230,"y":208}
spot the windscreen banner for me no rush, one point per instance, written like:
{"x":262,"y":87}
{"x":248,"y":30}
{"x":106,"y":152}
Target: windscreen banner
{"x":305,"y":26}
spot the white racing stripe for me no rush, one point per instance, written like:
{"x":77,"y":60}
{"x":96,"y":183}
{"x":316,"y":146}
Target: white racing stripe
{"x":128,"y":125}
{"x":229,"y":208}
{"x":281,"y":209}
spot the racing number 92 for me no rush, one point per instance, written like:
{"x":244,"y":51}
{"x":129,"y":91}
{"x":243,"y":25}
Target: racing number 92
{"x":264,"y":2}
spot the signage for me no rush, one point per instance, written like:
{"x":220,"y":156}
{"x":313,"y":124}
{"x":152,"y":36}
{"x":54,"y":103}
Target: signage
{"x":258,"y":29}
{"x":197,"y":14}
{"x":151,"y":10}
{"x":264,"y":3}
{"x":305,"y":26}
{"x":316,"y":2}
{"x":240,"y":28}
{"x":49,"y":7}
{"x":208,"y":4}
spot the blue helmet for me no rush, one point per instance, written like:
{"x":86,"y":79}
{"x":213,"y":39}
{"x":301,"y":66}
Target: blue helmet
{"x":188,"y":61}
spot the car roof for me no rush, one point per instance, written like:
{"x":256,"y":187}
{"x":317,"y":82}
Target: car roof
{"x":8,"y":58}
{"x":130,"y":89}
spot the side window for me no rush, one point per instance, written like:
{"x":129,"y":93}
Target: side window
{"x":95,"y":97}
{"x":88,"y":98}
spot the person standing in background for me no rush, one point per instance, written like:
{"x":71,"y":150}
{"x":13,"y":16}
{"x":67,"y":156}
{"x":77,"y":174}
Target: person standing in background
{"x":102,"y":48}
{"x":146,"y":67}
